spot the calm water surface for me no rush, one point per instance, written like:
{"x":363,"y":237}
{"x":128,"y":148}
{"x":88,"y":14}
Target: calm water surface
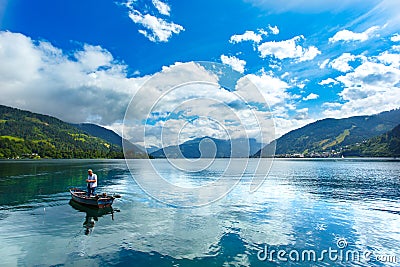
{"x":304,"y":206}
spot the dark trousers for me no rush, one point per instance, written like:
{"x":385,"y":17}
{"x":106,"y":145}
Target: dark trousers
{"x":90,"y":190}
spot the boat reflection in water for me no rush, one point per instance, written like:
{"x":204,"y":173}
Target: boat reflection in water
{"x":92,"y":214}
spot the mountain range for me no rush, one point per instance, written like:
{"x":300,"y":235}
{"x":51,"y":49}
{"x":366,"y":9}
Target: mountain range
{"x":131,"y":150}
{"x":209,"y":147}
{"x":384,"y":145}
{"x":334,"y":137}
{"x":24,"y":134}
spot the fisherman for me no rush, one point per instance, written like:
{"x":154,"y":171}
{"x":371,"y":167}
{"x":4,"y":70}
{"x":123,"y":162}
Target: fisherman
{"x":92,"y":182}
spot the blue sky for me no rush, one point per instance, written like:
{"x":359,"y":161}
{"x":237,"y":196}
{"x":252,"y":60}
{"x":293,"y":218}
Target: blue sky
{"x":84,"y":60}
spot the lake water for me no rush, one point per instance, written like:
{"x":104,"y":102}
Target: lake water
{"x":343,"y":212}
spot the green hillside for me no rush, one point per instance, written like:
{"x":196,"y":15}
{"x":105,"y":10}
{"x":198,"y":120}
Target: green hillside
{"x":101,"y":132}
{"x":131,"y":150}
{"x":24,"y":134}
{"x":385,"y":145}
{"x":329,"y":136}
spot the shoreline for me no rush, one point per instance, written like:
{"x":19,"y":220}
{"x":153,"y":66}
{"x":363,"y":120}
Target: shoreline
{"x":273,"y":158}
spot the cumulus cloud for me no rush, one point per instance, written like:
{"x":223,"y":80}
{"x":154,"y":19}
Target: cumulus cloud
{"x":324,"y":63}
{"x":273,"y":89}
{"x":348,"y":36}
{"x":253,"y":36}
{"x":175,"y":114}
{"x":153,"y":28}
{"x":247,"y":36}
{"x":328,"y":81}
{"x":370,"y":88}
{"x":310,"y":53}
{"x":275,"y":93}
{"x":311,"y":96}
{"x":91,"y":57}
{"x":284,"y":125}
{"x":331,"y":105}
{"x":274,"y":29}
{"x":162,"y":7}
{"x":181,"y":113}
{"x":234,"y":62}
{"x":301,"y":114}
{"x":89,"y":86}
{"x":288,"y":49}
{"x":342,"y":62}
{"x":389,"y":59}
{"x":395,"y":38}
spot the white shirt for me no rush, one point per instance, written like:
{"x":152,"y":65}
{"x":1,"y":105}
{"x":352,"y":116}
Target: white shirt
{"x":93,"y":177}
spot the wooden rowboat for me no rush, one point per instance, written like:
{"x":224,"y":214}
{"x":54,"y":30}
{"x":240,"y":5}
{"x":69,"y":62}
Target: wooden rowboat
{"x":100,"y":201}
{"x":91,"y":211}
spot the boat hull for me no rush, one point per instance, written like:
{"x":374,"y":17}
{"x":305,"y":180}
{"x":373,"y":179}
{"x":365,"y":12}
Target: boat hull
{"x":91,"y":211}
{"x":99,"y":201}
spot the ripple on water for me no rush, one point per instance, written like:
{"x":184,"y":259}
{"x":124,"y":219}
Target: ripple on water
{"x":302,"y":204}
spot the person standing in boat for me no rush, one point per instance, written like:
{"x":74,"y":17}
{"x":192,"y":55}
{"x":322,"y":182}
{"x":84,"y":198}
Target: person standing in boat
{"x":91,"y":182}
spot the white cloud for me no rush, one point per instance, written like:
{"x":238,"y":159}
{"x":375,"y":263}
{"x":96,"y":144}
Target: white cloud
{"x":225,"y":107}
{"x":155,"y":29}
{"x":310,"y":53}
{"x":301,"y":114}
{"x":247,"y":36}
{"x":342,"y":63}
{"x":92,"y":57}
{"x":285,"y":125}
{"x":88,"y":86}
{"x":396,"y":48}
{"x":371,"y":88}
{"x":331,"y":105}
{"x":275,"y":65}
{"x":328,"y":81}
{"x":347,"y":36}
{"x":389,"y":59}
{"x":273,"y":89}
{"x":311,"y":96}
{"x":160,"y":97}
{"x":234,"y":62}
{"x":276,"y":94}
{"x":370,"y":76}
{"x":301,"y":85}
{"x":295,"y":82}
{"x":274,"y":30}
{"x":324,"y":63}
{"x":288,"y":49}
{"x":395,"y":38}
{"x":162,"y":7}
{"x":255,"y":37}
{"x":286,"y":74}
